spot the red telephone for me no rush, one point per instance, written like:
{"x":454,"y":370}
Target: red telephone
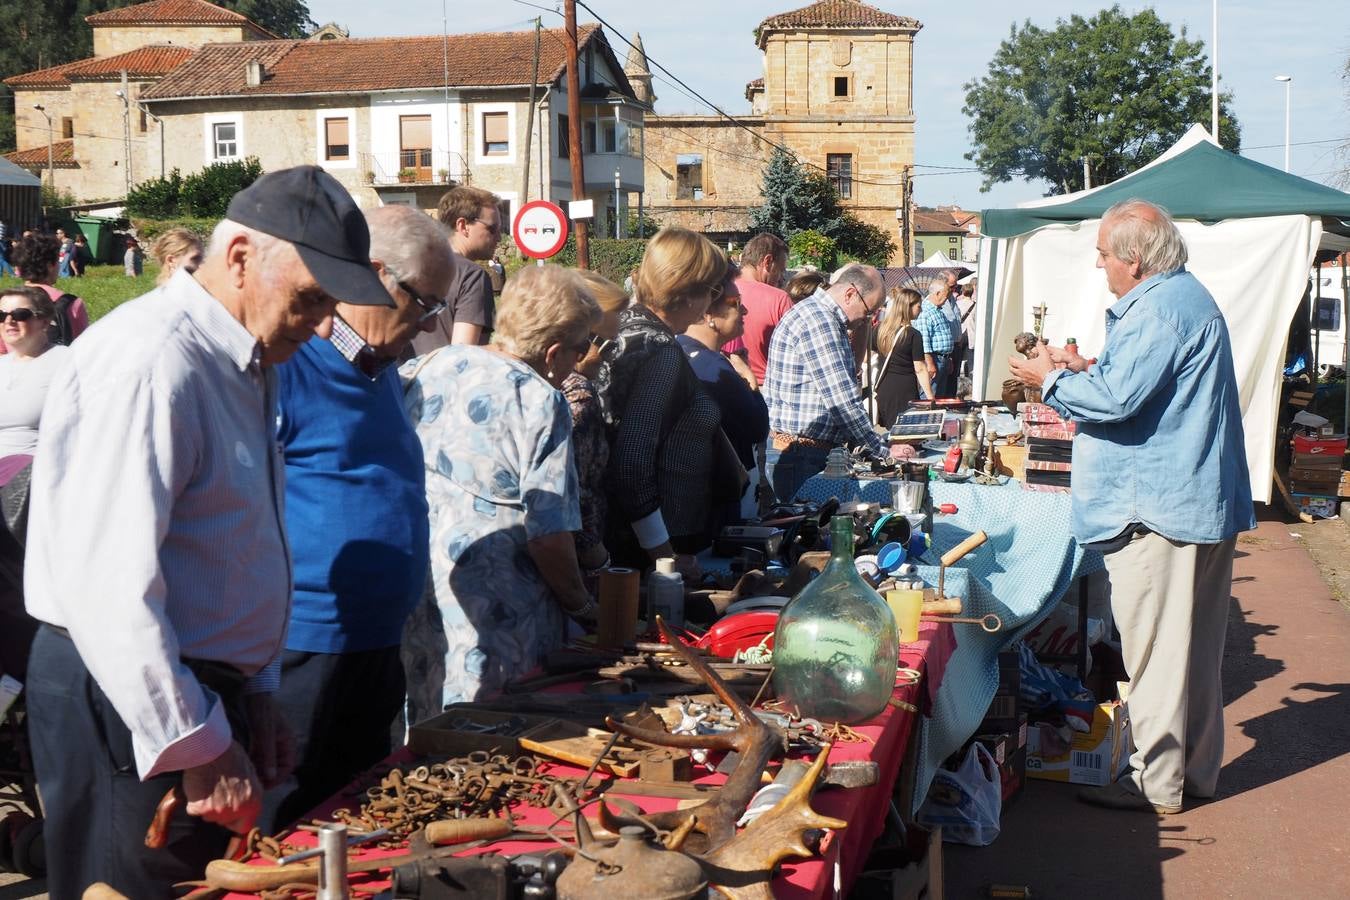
{"x":739,"y":631}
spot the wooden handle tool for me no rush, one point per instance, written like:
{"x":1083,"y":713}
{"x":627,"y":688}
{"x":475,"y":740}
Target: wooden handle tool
{"x":951,"y":557}
{"x":157,"y":835}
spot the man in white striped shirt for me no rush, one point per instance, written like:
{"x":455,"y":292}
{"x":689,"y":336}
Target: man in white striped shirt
{"x":156,"y":553}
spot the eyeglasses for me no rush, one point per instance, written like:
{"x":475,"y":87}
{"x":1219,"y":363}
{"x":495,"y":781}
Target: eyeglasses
{"x":495,"y":227}
{"x":600,"y":343}
{"x":862,"y":298}
{"x":715,"y":293}
{"x":430,"y":306}
{"x":21,"y":314}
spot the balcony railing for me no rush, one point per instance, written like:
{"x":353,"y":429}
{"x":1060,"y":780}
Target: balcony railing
{"x":415,"y":167}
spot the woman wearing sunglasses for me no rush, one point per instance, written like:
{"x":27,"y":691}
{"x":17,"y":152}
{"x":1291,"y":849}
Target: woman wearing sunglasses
{"x":27,"y":316}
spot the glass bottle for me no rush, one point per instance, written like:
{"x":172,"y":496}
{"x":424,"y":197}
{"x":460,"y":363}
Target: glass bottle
{"x":835,"y":651}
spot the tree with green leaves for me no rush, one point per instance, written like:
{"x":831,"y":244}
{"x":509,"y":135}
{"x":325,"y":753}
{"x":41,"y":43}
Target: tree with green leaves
{"x":1117,"y":89}
{"x":798,"y":199}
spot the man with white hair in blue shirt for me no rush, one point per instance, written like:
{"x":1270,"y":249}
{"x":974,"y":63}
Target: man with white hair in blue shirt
{"x":1160,"y":486}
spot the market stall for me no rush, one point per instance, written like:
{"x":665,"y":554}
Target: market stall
{"x":1251,"y":231}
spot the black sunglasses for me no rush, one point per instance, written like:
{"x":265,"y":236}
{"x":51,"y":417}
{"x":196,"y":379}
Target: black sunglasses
{"x":600,"y":343}
{"x":430,"y":307}
{"x":21,"y":314}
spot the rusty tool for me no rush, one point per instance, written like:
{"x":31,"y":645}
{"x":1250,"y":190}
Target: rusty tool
{"x":951,"y":557}
{"x":157,"y":835}
{"x":989,"y":622}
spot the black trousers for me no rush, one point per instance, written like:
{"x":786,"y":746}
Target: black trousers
{"x":340,"y":707}
{"x":97,"y":808}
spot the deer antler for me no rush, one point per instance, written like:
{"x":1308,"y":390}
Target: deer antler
{"x":742,"y":867}
{"x":754,"y":740}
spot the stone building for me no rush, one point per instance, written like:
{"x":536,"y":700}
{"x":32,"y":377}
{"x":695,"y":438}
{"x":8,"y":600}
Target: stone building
{"x":100,"y":141}
{"x":948,"y":230}
{"x":397,"y":120}
{"x":837,"y":91}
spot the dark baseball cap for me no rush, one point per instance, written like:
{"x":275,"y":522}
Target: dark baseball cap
{"x":308,"y":208}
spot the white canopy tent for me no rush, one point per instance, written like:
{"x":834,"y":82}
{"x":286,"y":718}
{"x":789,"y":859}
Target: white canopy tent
{"x":1251,"y":232}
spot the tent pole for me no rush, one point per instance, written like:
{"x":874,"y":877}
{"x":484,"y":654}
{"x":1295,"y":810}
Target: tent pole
{"x":1345,"y":344}
{"x":1317,"y":326}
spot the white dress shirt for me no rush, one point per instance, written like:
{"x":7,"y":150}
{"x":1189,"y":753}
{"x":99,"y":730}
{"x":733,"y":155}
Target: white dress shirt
{"x":156,"y":526}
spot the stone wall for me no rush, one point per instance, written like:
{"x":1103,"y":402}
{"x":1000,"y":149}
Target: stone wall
{"x":109,"y":40}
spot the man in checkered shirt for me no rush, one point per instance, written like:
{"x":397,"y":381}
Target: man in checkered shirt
{"x":811,"y":384}
{"x":940,"y":326}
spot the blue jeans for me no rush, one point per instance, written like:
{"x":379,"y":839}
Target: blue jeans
{"x":944,"y":385}
{"x":786,"y":470}
{"x":5,"y":267}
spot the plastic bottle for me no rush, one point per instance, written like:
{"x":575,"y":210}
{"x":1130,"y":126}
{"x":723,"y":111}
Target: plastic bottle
{"x":836,"y":648}
{"x":665,"y":593}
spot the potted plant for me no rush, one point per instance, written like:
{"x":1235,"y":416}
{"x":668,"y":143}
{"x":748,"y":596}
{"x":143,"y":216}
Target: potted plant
{"x":445,"y":176}
{"x":406,"y":176}
{"x":370,"y":177}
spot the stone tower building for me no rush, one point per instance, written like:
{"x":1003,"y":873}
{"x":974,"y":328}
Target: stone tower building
{"x":837,"y":91}
{"x":639,"y":76}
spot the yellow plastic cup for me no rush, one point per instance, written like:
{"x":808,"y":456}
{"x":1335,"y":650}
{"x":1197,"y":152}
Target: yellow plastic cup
{"x":906,"y":605}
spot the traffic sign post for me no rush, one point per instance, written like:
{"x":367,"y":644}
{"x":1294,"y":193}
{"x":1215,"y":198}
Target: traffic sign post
{"x":539,"y":229}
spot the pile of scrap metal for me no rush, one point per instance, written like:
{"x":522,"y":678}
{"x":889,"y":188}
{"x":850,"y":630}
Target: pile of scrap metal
{"x":621,"y":852}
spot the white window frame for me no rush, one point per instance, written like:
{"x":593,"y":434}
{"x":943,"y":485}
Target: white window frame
{"x":497,"y":159}
{"x":321,"y":138}
{"x":209,"y":123}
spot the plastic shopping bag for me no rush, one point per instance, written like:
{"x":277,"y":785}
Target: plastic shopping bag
{"x":967,"y":803}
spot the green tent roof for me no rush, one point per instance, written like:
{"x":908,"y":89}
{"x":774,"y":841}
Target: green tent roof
{"x":1203,"y":182}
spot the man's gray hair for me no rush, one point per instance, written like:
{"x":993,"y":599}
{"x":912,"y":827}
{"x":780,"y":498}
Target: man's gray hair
{"x":937,"y":287}
{"x":227,"y":230}
{"x":404,"y":239}
{"x":1145,"y":232}
{"x":865,"y":278}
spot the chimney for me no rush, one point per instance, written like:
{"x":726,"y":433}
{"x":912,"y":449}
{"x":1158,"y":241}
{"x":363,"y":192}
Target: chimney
{"x":253,"y":73}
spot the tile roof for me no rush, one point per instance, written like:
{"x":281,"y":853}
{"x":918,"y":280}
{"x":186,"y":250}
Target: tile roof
{"x":835,"y":14}
{"x":63,"y":156}
{"x":151,"y":61}
{"x":373,"y":64}
{"x":936,"y":221}
{"x":169,"y":12}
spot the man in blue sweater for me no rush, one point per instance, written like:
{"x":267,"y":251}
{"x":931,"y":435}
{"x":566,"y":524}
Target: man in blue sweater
{"x":356,"y":515}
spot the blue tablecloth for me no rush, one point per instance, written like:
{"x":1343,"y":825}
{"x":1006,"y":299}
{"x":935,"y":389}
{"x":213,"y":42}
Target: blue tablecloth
{"x":1020,"y":574}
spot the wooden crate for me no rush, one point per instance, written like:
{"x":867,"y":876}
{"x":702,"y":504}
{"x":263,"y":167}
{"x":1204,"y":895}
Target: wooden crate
{"x":1011,"y":459}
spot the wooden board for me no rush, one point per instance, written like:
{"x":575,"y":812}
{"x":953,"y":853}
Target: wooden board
{"x":582,"y":751}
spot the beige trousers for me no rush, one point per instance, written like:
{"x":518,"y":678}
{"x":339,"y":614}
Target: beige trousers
{"x":1170,"y":602}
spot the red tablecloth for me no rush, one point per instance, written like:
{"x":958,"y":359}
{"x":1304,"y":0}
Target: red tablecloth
{"x":863,"y":808}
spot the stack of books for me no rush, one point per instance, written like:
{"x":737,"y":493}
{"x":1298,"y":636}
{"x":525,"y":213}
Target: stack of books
{"x":1049,"y":448}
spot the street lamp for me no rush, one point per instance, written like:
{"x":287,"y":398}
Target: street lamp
{"x":51,"y":166}
{"x":618,"y":219}
{"x":1288,"y":84}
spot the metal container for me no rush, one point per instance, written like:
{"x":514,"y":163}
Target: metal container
{"x":632,"y":869}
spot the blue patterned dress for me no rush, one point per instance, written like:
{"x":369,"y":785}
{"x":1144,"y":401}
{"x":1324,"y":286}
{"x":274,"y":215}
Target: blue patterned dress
{"x":497,"y":443}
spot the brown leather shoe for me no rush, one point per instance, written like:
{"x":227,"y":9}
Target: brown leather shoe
{"x":1118,"y":796}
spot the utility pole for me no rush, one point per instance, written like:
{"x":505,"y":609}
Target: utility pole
{"x":574,"y":134}
{"x":906,"y":192}
{"x":529,"y":127}
{"x":1087,"y":174}
{"x":126,"y":128}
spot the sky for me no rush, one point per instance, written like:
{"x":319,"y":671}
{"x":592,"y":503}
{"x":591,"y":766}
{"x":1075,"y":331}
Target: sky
{"x":709,"y":45}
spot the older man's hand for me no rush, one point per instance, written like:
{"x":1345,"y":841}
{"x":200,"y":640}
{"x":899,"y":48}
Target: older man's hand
{"x":1031,"y":372}
{"x":225,"y":791}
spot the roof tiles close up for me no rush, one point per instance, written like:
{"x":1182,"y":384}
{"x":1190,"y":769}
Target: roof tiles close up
{"x":169,"y":12}
{"x":370,"y":64}
{"x":150,"y":61}
{"x":838,"y":14}
{"x":63,"y":156}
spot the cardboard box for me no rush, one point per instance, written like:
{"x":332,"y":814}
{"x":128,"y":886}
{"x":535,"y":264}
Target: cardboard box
{"x":1321,"y":446}
{"x":1005,"y":710}
{"x":1344,"y":487}
{"x":1097,"y":757}
{"x":1318,"y":506}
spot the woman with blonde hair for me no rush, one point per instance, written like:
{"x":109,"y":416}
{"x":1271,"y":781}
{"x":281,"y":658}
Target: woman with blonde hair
{"x":903,"y":370}
{"x":663,"y":425}
{"x":174,"y":249}
{"x":590,"y":442}
{"x":497,"y":441}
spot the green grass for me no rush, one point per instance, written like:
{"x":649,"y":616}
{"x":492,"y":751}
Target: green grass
{"x":103,"y":288}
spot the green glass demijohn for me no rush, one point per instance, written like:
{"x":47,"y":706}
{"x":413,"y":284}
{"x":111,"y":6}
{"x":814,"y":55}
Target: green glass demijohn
{"x":836,"y":650}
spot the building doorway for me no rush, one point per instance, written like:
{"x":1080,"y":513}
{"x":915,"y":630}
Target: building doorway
{"x":414,"y":143}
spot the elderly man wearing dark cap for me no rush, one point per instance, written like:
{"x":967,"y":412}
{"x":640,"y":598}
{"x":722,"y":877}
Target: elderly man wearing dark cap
{"x":157,"y":558}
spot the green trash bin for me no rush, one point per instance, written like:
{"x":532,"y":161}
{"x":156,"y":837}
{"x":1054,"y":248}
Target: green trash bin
{"x":98,"y":232}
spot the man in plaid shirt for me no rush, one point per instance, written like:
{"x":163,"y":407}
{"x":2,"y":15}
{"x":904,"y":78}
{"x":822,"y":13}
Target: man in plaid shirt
{"x":811,"y":384}
{"x":940,"y":326}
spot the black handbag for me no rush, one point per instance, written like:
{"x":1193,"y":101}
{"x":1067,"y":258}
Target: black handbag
{"x":728,"y":477}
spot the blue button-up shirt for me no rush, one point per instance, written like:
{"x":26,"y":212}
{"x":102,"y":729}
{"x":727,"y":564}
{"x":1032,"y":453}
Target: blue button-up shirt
{"x":938,"y":327}
{"x":811,"y":384}
{"x":1160,"y":438}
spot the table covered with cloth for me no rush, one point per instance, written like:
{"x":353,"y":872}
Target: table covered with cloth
{"x":886,"y":739}
{"x":1020,"y":575}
